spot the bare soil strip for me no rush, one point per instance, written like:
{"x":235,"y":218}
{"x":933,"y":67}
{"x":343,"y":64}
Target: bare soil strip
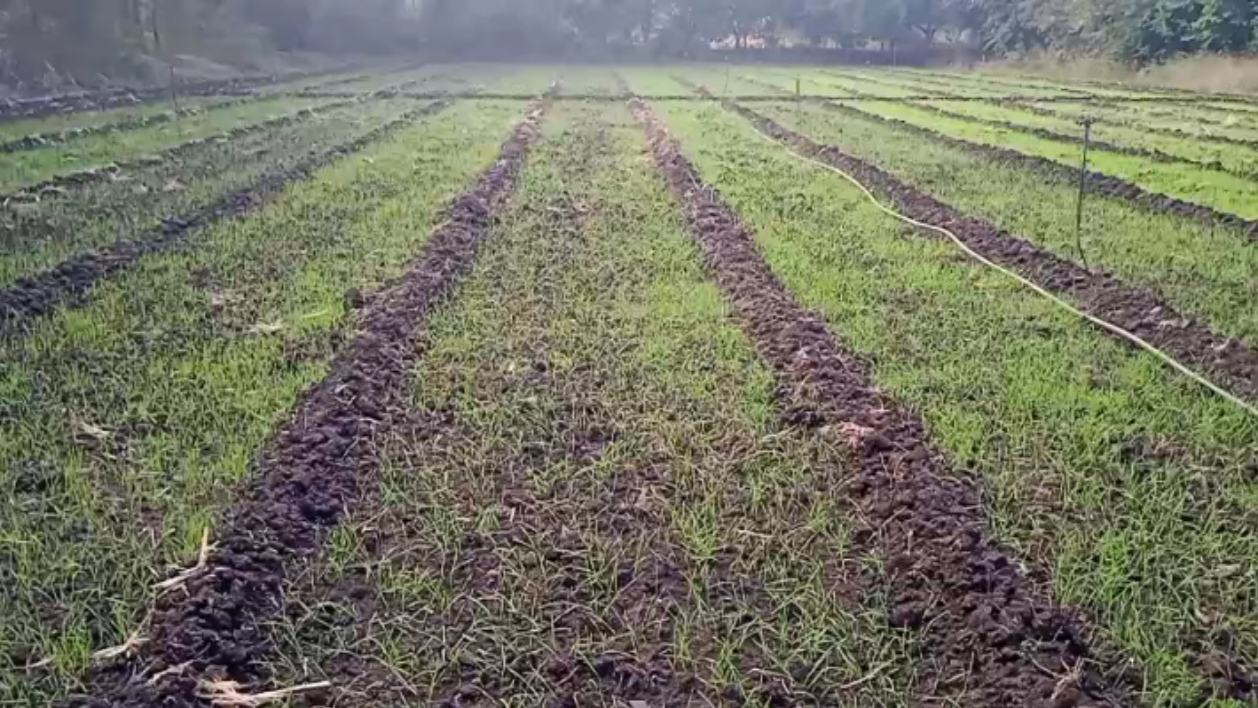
{"x":209,"y":629}
{"x":37,"y":294}
{"x":55,"y":185}
{"x":988,"y":638}
{"x":1232,"y":363}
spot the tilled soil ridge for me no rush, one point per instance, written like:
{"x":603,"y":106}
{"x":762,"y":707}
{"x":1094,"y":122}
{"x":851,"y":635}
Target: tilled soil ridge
{"x":37,"y":294}
{"x":211,"y":628}
{"x":1230,"y":362}
{"x":988,"y":639}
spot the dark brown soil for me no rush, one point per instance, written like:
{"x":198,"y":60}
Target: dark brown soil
{"x":988,"y":638}
{"x":310,"y":471}
{"x":35,"y":295}
{"x":1231,"y":363}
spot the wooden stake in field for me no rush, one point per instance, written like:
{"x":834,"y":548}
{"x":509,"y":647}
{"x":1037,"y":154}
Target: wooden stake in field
{"x":1083,"y":178}
{"x":799,"y":99}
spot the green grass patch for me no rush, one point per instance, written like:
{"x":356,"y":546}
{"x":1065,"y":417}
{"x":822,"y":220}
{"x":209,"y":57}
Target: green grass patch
{"x":1225,"y":192}
{"x":39,"y":235}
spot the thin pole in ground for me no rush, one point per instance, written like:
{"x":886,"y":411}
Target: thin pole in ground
{"x":726,"y":91}
{"x":174,"y":89}
{"x":1083,"y":182}
{"x":799,"y":100}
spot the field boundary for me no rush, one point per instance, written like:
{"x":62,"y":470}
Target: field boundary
{"x":311,"y":469}
{"x":925,"y":518}
{"x":34,"y":295}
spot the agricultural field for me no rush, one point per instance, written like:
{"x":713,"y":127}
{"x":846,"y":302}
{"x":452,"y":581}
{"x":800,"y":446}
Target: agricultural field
{"x":644,"y":386}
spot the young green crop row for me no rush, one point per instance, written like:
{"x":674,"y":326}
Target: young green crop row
{"x":1214,"y":174}
{"x":1224,"y":192}
{"x":127,"y":423}
{"x":1238,"y":159}
{"x":93,"y":151}
{"x":41,"y":234}
{"x":87,"y":120}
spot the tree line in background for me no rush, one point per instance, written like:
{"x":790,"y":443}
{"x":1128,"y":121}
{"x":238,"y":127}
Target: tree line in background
{"x":1131,"y":30}
{"x":47,"y":42}
{"x":85,"y":39}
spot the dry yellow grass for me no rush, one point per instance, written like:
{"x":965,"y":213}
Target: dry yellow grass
{"x":1212,"y":72}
